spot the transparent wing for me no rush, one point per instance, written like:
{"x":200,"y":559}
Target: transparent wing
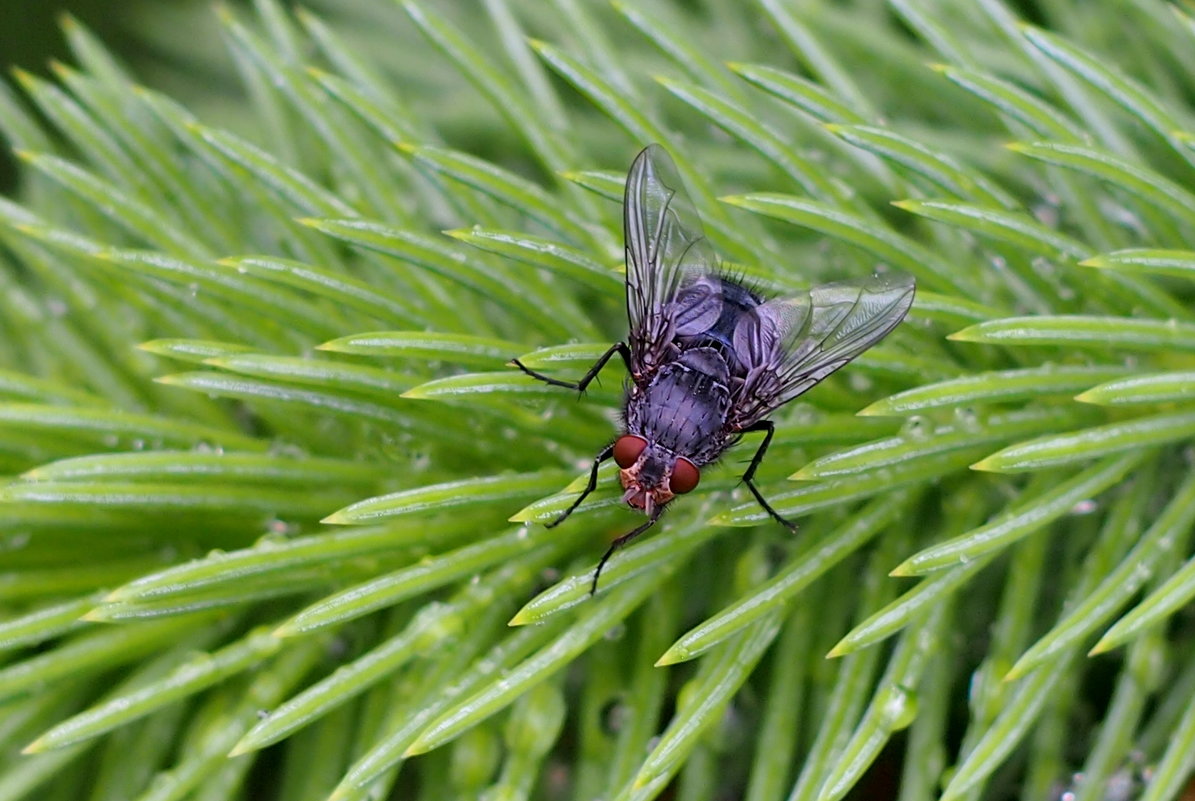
{"x":788,"y":345}
{"x":671,"y":288}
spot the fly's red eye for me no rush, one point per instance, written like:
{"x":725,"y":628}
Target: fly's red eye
{"x":627,"y":449}
{"x":684,"y":478}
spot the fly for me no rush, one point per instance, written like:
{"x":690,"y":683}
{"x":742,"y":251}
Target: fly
{"x":710,"y":359}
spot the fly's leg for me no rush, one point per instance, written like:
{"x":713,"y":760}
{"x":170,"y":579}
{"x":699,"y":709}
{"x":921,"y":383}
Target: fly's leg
{"x":597,"y":462}
{"x":618,"y":347}
{"x":770,"y":429}
{"x":621,"y":541}
{"x":622,"y":350}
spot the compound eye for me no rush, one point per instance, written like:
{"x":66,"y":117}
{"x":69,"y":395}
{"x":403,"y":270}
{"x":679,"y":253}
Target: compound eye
{"x":685,"y":476}
{"x":627,"y":449}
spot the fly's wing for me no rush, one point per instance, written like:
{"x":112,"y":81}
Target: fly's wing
{"x":671,"y":285}
{"x":788,"y":345}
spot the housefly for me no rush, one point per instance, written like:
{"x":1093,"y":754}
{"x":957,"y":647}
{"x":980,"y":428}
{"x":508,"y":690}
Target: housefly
{"x":708,"y":357}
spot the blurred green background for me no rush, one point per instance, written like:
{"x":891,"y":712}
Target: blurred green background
{"x":145,"y":35}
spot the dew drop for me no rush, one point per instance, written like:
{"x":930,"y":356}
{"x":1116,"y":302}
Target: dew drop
{"x":615,"y":633}
{"x":916,"y":427}
{"x":615,"y":716}
{"x":15,"y":542}
{"x":967,"y":418}
{"x":900,"y":707}
{"x":860,"y":382}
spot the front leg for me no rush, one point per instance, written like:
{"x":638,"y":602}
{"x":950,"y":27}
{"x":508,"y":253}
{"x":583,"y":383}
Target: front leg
{"x":770,"y":428}
{"x":618,"y":347}
{"x":597,"y":462}
{"x":621,"y":541}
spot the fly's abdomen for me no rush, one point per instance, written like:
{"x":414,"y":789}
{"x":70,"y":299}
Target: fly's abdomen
{"x":737,"y":300}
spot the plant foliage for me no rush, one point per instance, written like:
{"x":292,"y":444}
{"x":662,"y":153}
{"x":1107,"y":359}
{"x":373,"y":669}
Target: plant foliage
{"x":273,"y":499}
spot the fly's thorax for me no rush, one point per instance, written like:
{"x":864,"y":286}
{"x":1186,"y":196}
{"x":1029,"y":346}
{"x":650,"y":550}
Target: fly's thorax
{"x":684,"y":406}
{"x":707,"y":361}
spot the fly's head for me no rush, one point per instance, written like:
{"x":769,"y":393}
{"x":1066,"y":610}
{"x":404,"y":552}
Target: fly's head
{"x":651,"y":475}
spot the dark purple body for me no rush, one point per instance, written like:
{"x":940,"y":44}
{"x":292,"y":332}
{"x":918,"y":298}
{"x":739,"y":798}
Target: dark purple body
{"x":684,"y":408}
{"x":709,"y":359}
